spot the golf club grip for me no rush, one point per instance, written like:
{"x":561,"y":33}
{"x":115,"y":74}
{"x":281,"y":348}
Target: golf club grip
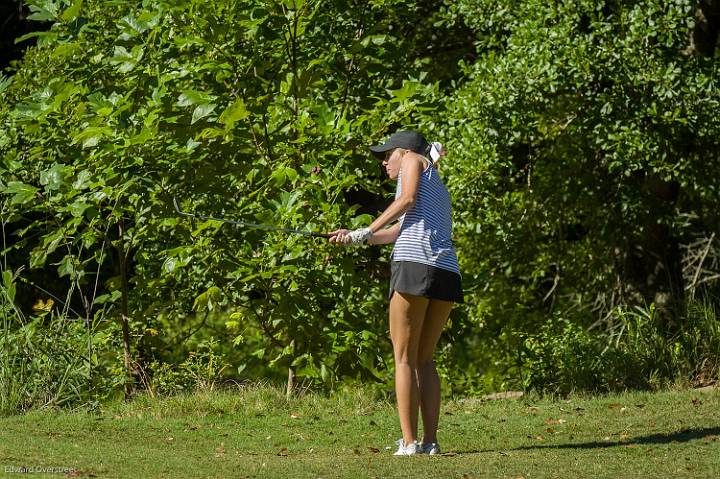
{"x":321,"y":235}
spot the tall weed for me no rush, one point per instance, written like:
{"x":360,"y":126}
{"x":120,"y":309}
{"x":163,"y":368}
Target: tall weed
{"x":45,"y":360}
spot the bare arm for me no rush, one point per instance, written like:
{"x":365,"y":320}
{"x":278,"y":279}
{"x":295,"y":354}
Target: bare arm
{"x":385,"y":236}
{"x":411,"y":170}
{"x":411,"y":166}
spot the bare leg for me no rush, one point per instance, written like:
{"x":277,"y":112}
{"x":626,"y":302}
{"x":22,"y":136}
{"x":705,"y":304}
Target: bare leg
{"x":428,"y":380}
{"x":407,"y":313}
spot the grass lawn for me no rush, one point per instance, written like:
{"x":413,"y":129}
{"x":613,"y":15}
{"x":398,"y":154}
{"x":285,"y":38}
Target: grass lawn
{"x":255,"y":433}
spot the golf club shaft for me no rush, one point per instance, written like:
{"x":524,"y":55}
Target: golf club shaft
{"x":248,"y":225}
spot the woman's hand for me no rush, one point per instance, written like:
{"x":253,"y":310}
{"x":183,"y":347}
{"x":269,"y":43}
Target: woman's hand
{"x":340,"y":236}
{"x":347,"y":237}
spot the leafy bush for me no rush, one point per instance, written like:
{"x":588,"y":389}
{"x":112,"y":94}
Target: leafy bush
{"x":51,"y":360}
{"x":247,"y":109}
{"x":583,"y":157}
{"x":583,"y":165}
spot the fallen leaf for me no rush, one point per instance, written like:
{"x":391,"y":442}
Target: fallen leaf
{"x":534,"y":410}
{"x":550,"y":430}
{"x":551,"y":421}
{"x":283,"y":452}
{"x":373,"y":423}
{"x":696,"y":402}
{"x":169,"y":439}
{"x":503,"y":395}
{"x":373,"y":449}
{"x":41,"y":305}
{"x":614,"y":405}
{"x":356,"y":451}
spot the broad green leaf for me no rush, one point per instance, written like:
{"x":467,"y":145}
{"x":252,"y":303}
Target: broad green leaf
{"x":409,"y":88}
{"x":207,"y":299}
{"x":54,"y":177}
{"x":127,"y":60}
{"x":44,"y":12}
{"x":73,"y":11}
{"x":66,"y":267}
{"x":233,"y":113}
{"x":22,"y":192}
{"x":77,"y":208}
{"x":83,"y":180}
{"x":90,"y":136}
{"x":108,"y":297}
{"x":7,"y":278}
{"x":169,"y":265}
{"x":194,"y":97}
{"x":291,"y":173}
{"x":279,"y":176}
{"x":201,"y":111}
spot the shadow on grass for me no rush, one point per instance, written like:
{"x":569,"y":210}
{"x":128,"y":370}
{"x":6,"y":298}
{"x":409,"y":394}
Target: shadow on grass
{"x":662,"y":438}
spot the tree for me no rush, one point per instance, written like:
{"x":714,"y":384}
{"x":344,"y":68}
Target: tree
{"x":258,"y":109}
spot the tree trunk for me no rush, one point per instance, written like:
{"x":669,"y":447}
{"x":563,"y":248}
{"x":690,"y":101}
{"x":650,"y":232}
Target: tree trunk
{"x":653,"y":265}
{"x":291,"y":376}
{"x":704,"y":37}
{"x":290,"y":383}
{"x":124,"y":314}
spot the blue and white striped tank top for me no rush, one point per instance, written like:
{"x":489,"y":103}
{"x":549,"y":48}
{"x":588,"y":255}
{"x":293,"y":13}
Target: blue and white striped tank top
{"x":426,"y":228}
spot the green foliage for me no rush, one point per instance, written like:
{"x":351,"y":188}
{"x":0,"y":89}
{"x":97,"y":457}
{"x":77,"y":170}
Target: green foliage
{"x":563,"y":357}
{"x":256,"y":110}
{"x":582,"y":164}
{"x":49,"y":360}
{"x":648,"y":357}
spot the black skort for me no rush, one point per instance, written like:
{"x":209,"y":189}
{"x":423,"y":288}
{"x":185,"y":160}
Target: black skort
{"x":424,"y":280}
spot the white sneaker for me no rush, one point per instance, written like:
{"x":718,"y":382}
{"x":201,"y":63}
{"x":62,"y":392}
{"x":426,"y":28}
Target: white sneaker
{"x":431,"y":448}
{"x":407,"y":450}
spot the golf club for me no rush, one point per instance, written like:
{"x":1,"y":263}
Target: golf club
{"x":248,"y":225}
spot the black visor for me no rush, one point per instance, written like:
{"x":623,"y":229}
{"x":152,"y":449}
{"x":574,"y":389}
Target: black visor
{"x":407,"y":139}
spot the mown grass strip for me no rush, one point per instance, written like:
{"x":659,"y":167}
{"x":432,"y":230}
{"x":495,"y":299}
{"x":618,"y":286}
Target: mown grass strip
{"x":255,"y":432}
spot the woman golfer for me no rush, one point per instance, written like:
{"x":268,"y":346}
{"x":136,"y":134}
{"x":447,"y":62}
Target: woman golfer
{"x":424,"y":283}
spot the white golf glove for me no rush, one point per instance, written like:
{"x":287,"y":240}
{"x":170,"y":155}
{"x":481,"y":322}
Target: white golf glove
{"x":360,"y":236}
